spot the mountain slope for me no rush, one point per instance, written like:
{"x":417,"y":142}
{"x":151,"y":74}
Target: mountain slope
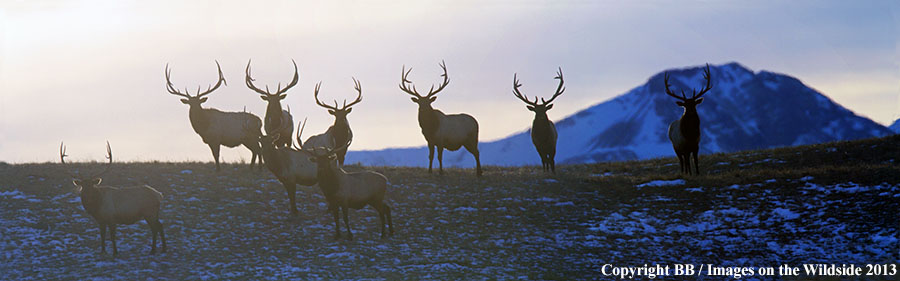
{"x":744,"y":110}
{"x":895,"y":127}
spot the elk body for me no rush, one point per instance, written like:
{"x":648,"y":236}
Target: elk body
{"x":543,"y":132}
{"x":290,"y":166}
{"x":218,"y":128}
{"x":339,"y":132}
{"x":343,"y":190}
{"x":111,"y":206}
{"x":442,"y":130}
{"x":685,"y":132}
{"x":274,"y":114}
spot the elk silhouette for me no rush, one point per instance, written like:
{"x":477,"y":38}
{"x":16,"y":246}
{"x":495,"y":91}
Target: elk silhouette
{"x":290,"y":166}
{"x":340,"y":131}
{"x":274,"y":113}
{"x":685,"y":132}
{"x":543,"y":132}
{"x":218,"y":128}
{"x":111,"y":206}
{"x":442,"y":130}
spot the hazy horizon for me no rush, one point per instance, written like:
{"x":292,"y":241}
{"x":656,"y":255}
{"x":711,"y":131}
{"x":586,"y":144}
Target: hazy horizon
{"x":85,"y":72}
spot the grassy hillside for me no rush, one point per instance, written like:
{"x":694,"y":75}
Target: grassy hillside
{"x":834,"y":203}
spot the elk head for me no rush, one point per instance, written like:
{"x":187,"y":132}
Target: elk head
{"x":89,"y":181}
{"x":539,"y":108}
{"x":274,"y":107}
{"x":324,"y":156}
{"x":340,"y":113}
{"x":196,"y":100}
{"x":690,"y":104}
{"x":423,"y":101}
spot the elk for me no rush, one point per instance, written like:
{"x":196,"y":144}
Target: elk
{"x":343,"y":190}
{"x":111,"y":206}
{"x":274,"y":113}
{"x":543,"y":132}
{"x":685,"y":132}
{"x":290,"y":166}
{"x":340,"y":131}
{"x":441,"y":130}
{"x":218,"y":128}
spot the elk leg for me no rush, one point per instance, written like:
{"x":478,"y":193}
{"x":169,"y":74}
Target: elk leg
{"x":162,"y":235}
{"x":153,"y":228}
{"x":473,"y":148}
{"x":337,"y":222}
{"x":215,"y":152}
{"x":103,"y":238}
{"x":696,"y":163}
{"x":440,"y":151}
{"x":430,"y":156}
{"x":552,"y":163}
{"x":379,"y":208}
{"x":112,"y":236}
{"x":291,"y":189}
{"x":387,"y":213}
{"x":345,"y":210}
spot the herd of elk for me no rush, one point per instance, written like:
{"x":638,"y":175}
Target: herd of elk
{"x":543,"y":132}
{"x":340,"y":131}
{"x":111,"y":206}
{"x":274,"y":114}
{"x":685,"y":132}
{"x":441,"y":130}
{"x":216,"y":127}
{"x":320,"y":159}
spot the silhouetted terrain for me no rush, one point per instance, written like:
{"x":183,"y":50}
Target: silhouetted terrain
{"x":833,"y":203}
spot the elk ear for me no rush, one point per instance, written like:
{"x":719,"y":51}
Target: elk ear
{"x":679,"y":103}
{"x":549,"y":106}
{"x":312,"y":159}
{"x":414,"y":99}
{"x":349,"y":109}
{"x":432,"y":99}
{"x":331,"y":112}
{"x":185,"y":101}
{"x":699,"y":100}
{"x":96,"y":181}
{"x":531,"y":108}
{"x":264,"y":98}
{"x":76,"y":182}
{"x":202,"y":100}
{"x":281,"y":97}
{"x":332,"y":156}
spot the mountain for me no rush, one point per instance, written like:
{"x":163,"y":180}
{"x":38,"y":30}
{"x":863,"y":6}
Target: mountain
{"x":895,"y":127}
{"x":744,"y":110}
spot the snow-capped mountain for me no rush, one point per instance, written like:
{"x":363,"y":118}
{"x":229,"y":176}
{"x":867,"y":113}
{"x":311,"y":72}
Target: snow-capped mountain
{"x":744,"y":110}
{"x":895,"y":127}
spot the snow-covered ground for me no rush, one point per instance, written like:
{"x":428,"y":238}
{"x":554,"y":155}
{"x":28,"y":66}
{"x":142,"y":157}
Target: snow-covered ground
{"x":235,"y":225}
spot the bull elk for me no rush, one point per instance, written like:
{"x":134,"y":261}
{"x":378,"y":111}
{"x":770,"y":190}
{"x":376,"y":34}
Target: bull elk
{"x":441,"y":130}
{"x":111,"y":206}
{"x":685,"y":132}
{"x":543,"y":132}
{"x":290,"y":166}
{"x":355,"y":190}
{"x":340,"y":131}
{"x":274,"y":113}
{"x":218,"y":128}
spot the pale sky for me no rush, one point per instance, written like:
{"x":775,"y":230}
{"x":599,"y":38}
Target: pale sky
{"x":85,"y":72}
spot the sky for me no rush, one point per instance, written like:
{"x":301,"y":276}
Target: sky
{"x":85,"y":72}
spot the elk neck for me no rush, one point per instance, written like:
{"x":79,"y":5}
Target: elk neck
{"x":428,"y":119}
{"x":340,"y":130}
{"x":90,"y":200}
{"x":273,"y":114}
{"x":199,"y":118}
{"x":690,"y":123}
{"x":273,"y":161}
{"x":327,"y":174}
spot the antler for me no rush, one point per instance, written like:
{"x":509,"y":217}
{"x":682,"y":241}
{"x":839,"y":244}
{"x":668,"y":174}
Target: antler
{"x":356,"y":86}
{"x":432,"y":91}
{"x":559,"y":89}
{"x":299,"y":144}
{"x":249,"y":81}
{"x":708,"y":84}
{"x":669,"y":92}
{"x":108,"y":156}
{"x":62,"y":158}
{"x":172,"y":90}
{"x":518,"y":94}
